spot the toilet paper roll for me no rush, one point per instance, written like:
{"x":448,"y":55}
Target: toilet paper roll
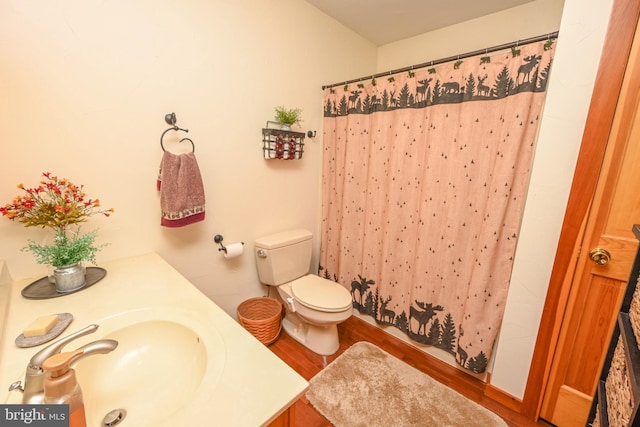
{"x":234,"y":250}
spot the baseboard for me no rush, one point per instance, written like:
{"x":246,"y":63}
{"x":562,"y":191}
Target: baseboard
{"x":503,"y":398}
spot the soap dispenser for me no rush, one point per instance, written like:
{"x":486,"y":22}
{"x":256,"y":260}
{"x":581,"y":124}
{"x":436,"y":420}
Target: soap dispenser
{"x":61,"y":386}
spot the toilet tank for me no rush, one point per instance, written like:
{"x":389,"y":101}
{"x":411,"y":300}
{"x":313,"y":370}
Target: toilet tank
{"x":283,"y":257}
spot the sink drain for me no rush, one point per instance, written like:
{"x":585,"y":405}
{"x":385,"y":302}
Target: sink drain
{"x":114,"y":417}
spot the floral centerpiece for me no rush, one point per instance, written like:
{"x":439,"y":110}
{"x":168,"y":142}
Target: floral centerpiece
{"x":58,"y":204}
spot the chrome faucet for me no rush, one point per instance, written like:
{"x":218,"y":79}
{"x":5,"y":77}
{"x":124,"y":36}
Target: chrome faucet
{"x":33,"y":390}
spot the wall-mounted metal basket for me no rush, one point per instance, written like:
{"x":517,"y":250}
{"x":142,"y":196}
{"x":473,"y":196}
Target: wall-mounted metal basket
{"x":282,"y":144}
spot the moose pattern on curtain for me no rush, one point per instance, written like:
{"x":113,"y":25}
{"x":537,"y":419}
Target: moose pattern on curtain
{"x":424,"y":184}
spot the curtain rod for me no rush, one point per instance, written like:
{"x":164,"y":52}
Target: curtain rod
{"x":549,"y":36}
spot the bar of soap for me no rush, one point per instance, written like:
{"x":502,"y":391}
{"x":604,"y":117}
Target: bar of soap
{"x":41,"y":326}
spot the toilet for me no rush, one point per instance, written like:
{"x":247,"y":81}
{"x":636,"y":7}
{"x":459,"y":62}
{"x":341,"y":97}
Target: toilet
{"x":314,"y":306}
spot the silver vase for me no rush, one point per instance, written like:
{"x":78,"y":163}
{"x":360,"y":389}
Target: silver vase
{"x":69,"y":278}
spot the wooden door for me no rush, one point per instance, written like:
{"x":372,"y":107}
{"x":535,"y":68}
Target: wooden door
{"x":604,"y":256}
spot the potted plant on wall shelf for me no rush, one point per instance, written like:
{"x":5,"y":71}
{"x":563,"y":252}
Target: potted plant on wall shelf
{"x":288,"y":117}
{"x":59,"y":204}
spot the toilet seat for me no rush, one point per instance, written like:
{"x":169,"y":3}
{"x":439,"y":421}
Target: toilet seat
{"x":320,"y":294}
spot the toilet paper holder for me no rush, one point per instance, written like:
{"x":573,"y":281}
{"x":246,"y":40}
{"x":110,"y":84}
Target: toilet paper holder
{"x":218,"y":239}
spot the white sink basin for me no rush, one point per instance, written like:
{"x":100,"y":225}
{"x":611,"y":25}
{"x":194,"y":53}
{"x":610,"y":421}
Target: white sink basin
{"x":152,"y":374}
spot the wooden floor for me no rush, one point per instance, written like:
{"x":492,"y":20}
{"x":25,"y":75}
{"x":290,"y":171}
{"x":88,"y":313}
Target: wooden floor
{"x":307,"y":364}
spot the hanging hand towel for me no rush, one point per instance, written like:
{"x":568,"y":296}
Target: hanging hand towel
{"x":181,"y":190}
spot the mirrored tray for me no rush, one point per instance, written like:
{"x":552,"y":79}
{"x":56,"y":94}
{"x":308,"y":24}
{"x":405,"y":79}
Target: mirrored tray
{"x":44,"y":289}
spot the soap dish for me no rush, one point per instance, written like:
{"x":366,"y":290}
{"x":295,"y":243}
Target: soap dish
{"x":64,"y":319}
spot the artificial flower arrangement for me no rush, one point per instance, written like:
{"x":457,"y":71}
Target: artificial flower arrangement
{"x":58,"y":204}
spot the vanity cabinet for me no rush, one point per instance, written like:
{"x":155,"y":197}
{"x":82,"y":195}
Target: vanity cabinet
{"x":617,"y":396}
{"x":286,"y":419}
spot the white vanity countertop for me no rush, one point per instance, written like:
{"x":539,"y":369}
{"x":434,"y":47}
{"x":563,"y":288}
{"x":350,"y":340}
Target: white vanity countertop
{"x":253,"y":386}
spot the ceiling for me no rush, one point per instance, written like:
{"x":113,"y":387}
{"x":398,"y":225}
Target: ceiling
{"x":387,"y":21}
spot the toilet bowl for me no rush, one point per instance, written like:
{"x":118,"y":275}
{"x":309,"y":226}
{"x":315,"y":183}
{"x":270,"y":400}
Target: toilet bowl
{"x":314,"y":305}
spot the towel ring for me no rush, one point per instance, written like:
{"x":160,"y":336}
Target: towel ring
{"x":176,"y":128}
{"x":193,"y":146}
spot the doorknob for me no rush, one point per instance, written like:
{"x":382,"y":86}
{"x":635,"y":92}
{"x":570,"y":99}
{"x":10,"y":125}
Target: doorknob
{"x":600,"y":256}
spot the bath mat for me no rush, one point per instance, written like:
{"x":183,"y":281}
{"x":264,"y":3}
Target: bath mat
{"x":365,"y":386}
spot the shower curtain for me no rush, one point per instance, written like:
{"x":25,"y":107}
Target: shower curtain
{"x":424,"y":183}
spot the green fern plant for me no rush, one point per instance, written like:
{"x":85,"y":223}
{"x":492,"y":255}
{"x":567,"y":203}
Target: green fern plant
{"x":66,"y":250}
{"x":288,"y":116}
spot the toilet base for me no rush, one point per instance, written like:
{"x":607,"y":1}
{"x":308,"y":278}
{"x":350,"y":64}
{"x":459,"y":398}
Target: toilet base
{"x":322,"y":340}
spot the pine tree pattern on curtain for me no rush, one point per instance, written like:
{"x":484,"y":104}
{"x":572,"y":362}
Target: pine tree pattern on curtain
{"x":424,"y":183}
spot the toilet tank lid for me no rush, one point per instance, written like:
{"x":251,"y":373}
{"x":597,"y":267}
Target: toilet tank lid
{"x":285,"y":238}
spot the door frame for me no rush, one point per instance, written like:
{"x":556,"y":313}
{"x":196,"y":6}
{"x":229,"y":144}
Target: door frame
{"x":608,"y":83}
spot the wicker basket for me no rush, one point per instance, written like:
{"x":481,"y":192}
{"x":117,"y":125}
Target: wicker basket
{"x":262,"y":318}
{"x":634,"y":313}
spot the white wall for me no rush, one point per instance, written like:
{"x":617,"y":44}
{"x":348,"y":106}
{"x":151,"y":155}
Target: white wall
{"x":582,"y":27}
{"x":575,"y":66}
{"x":85,"y":87}
{"x":86,"y":84}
